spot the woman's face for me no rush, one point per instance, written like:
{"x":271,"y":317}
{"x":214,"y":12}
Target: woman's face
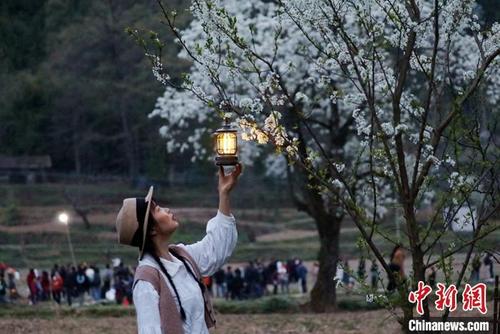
{"x":399,"y":256}
{"x":166,"y":222}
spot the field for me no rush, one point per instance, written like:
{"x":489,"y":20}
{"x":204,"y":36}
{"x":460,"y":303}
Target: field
{"x":118,"y":319}
{"x":269,"y":227}
{"x":31,"y":237}
{"x":347,"y":322}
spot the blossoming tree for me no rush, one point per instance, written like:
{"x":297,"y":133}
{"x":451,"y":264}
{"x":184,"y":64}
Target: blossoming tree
{"x":378,"y":106}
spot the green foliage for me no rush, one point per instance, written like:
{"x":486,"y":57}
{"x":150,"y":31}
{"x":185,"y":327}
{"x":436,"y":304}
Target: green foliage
{"x":357,"y":305}
{"x":76,"y":87}
{"x":101,"y":310}
{"x":22,"y":35}
{"x":260,"y":305}
{"x":11,"y":215}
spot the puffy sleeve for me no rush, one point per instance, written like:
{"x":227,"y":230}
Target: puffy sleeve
{"x":216,"y":247}
{"x":146,"y":301}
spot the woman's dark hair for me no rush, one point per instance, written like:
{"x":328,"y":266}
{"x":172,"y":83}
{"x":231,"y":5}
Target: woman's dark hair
{"x":394,"y":250}
{"x":150,"y":249}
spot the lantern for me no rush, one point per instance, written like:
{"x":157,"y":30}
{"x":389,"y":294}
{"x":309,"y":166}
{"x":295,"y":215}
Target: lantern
{"x":226,"y":145}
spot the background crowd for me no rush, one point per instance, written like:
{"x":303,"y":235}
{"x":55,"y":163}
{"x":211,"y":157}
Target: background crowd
{"x":114,"y":283}
{"x":253,"y":280}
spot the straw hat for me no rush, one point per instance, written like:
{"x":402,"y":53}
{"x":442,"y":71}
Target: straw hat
{"x":132,"y":221}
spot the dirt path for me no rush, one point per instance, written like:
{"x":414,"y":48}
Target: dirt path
{"x":287,"y":235}
{"x":344,"y":322}
{"x":373,"y":322}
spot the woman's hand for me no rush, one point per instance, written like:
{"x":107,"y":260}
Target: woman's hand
{"x":227,"y":182}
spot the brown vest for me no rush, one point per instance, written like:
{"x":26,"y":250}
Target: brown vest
{"x":170,"y":316}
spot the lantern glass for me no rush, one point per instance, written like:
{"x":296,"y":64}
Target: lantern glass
{"x":226,"y":143}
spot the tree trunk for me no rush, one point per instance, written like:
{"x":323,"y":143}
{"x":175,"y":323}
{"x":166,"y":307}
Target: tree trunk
{"x":416,"y":252}
{"x":418,"y":264}
{"x":323,"y":294}
{"x":407,"y":316}
{"x":327,"y":218}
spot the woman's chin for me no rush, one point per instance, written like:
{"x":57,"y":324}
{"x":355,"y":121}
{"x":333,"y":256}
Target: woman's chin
{"x":176,"y":225}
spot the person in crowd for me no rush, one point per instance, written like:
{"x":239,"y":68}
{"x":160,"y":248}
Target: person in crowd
{"x":361,"y":270}
{"x":291,"y":266}
{"x":262,"y":281}
{"x":70,"y":285}
{"x":229,"y":283}
{"x":107,"y":276}
{"x":476,"y":268}
{"x":54,"y":269}
{"x":396,"y":265}
{"x":345,"y":274}
{"x":237,"y":285}
{"x":488,"y":262}
{"x":315,"y":271}
{"x":57,"y":287}
{"x":90,"y":273}
{"x":220,"y":283}
{"x":283,"y":277}
{"x":374,"y":274}
{"x":45,"y":282}
{"x":129,"y":285}
{"x":63,"y":271}
{"x":302,"y":275}
{"x":122,"y":278}
{"x":251,"y":280}
{"x":431,"y":280}
{"x":82,"y":283}
{"x":339,"y":272}
{"x":272,"y":273}
{"x":3,"y":288}
{"x":31,"y":281}
{"x":95,"y":284}
{"x":11,"y":284}
{"x":347,"y":279}
{"x":39,"y":289}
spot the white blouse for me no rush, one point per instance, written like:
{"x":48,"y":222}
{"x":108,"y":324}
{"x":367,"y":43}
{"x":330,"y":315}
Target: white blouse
{"x":210,"y":254}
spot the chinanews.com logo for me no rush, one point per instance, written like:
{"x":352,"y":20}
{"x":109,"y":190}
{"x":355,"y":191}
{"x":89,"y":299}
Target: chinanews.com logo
{"x":452,"y":325}
{"x":472,"y":298}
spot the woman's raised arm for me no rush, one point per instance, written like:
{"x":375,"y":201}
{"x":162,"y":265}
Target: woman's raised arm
{"x":216,"y":247}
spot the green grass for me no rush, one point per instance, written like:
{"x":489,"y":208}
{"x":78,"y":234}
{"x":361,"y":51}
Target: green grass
{"x":10,"y":215}
{"x":264,"y":305}
{"x":44,"y":249}
{"x":49,"y":312}
{"x":248,"y":195}
{"x":271,"y":304}
{"x":357,"y":304}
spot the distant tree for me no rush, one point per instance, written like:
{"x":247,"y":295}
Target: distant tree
{"x":24,"y":116}
{"x":74,"y":85}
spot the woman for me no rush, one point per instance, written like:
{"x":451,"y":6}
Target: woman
{"x":168,"y":292}
{"x":31,"y":280}
{"x":396,"y":266}
{"x":57,"y":286}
